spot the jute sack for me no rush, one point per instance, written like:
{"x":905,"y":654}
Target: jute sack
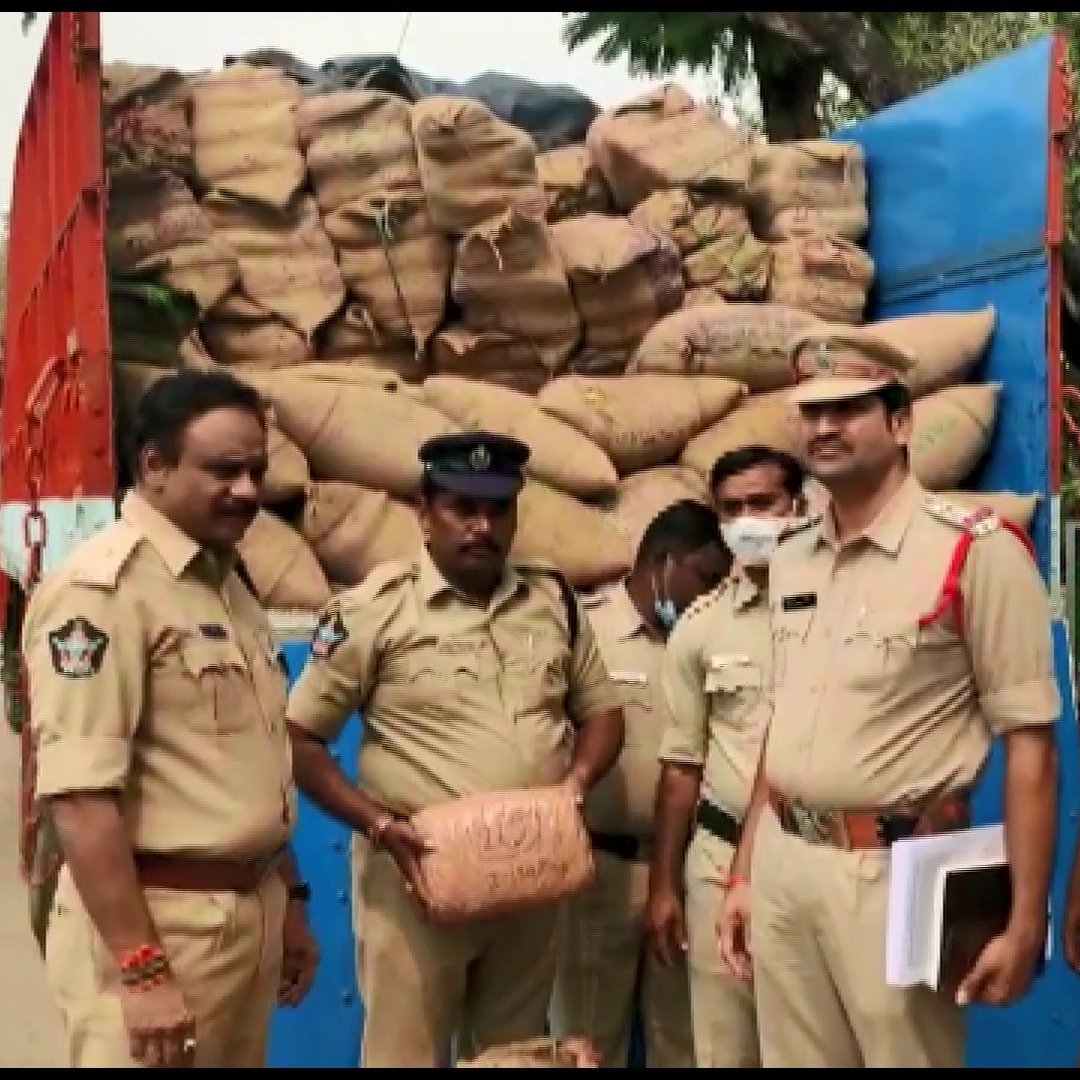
{"x":357,"y":143}
{"x":283,"y":569}
{"x":541,"y":1053}
{"x":623,"y":276}
{"x":580,"y":539}
{"x":490,"y":356}
{"x":350,"y":374}
{"x":245,"y":133}
{"x":663,"y":139}
{"x":745,"y":342}
{"x":560,"y":455}
{"x":812,"y":187}
{"x":287,"y":262}
{"x":713,"y":234}
{"x":352,"y":529}
{"x":156,"y":227}
{"x":572,"y":183}
{"x":146,"y":120}
{"x":948,"y":345}
{"x":703,"y":294}
{"x":508,"y":276}
{"x":767,"y":419}
{"x":287,"y":473}
{"x":643,"y":495}
{"x":497,"y":853}
{"x":473,"y":166}
{"x":642,"y":420}
{"x":395,"y":261}
{"x":952,"y":431}
{"x":353,"y":338}
{"x":193,"y":352}
{"x":360,"y":434}
{"x":825,"y":275}
{"x":241,"y":333}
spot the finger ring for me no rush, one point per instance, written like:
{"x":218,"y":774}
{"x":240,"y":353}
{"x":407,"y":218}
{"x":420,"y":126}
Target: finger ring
{"x":189,"y":1044}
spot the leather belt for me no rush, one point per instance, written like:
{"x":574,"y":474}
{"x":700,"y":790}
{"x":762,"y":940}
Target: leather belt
{"x":853,"y":830}
{"x":624,"y":847}
{"x":718,"y":822}
{"x":188,"y":873}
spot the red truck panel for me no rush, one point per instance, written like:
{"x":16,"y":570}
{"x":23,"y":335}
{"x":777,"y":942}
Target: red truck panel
{"x":56,"y":423}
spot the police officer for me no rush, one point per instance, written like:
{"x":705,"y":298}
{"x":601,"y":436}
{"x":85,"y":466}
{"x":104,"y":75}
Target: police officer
{"x":717,"y":672}
{"x":473,"y":673}
{"x":158,"y":710}
{"x":606,"y":975}
{"x":906,"y":634}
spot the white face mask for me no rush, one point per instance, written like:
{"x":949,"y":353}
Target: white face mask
{"x":752,"y":540}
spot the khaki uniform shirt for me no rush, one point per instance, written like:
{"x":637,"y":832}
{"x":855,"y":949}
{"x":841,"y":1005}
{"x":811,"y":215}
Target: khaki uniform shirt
{"x":717,"y":677}
{"x":455,"y":697}
{"x":623,"y":801}
{"x":153,"y":673}
{"x":874,"y":706}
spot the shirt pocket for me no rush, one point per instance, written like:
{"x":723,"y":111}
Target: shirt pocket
{"x":790,"y":630}
{"x":883,"y":653}
{"x":734,"y":686}
{"x":635,"y":694}
{"x":542,"y":676}
{"x":226,"y":694}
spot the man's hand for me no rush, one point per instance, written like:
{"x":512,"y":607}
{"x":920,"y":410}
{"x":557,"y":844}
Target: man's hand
{"x":733,"y":928}
{"x":405,"y":846}
{"x":300,"y":956}
{"x":1003,"y":971}
{"x":161,"y":1028}
{"x":665,"y":925}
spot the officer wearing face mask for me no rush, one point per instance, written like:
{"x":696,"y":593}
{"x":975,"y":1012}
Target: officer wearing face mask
{"x":715,"y":677}
{"x":605,"y":972}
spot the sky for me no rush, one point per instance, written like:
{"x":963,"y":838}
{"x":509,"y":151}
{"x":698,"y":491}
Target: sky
{"x":453,"y":45}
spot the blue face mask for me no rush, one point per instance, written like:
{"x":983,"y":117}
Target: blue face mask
{"x":666,"y":615}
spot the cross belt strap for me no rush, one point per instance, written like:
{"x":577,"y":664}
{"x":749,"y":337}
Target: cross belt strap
{"x":853,"y":830}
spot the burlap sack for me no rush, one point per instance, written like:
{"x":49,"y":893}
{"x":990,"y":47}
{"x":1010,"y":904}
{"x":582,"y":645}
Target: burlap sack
{"x":155,"y":226}
{"x":825,"y":275}
{"x":287,"y":473}
{"x":500,"y":852}
{"x":357,"y":143}
{"x":508,"y":276}
{"x":245,"y":134}
{"x":703,"y":294}
{"x":193,"y":352}
{"x":642,"y":420}
{"x":543,"y":1053}
{"x":767,"y":419}
{"x":572,"y":183}
{"x":489,"y":356}
{"x":948,"y":345}
{"x":642,"y":496}
{"x":352,"y":337}
{"x":745,"y":342}
{"x":287,"y":262}
{"x":560,"y":455}
{"x":814,"y":187}
{"x":473,"y":166}
{"x":952,"y":431}
{"x":349,"y":374}
{"x":146,"y":120}
{"x":241,"y":333}
{"x":395,"y":261}
{"x":282,"y":567}
{"x":714,"y":237}
{"x":623,"y":276}
{"x":662,"y":139}
{"x":353,"y":529}
{"x":580,"y":539}
{"x":359,"y":434}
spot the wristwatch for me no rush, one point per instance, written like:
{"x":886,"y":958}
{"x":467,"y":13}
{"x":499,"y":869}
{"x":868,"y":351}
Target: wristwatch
{"x":300,"y":891}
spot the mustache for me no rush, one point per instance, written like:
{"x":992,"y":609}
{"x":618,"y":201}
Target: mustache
{"x":240,"y":509}
{"x":828,"y":442}
{"x":481,"y":545}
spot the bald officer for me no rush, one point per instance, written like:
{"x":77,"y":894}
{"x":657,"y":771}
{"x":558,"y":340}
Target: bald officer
{"x":907,"y":633}
{"x":158,"y":707}
{"x":606,"y":974}
{"x":474,"y":673}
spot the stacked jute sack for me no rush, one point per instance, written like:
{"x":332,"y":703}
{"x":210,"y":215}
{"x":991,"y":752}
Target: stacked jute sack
{"x":384,"y":272}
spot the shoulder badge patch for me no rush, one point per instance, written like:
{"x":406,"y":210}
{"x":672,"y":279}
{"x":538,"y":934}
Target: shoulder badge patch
{"x":78,"y":648}
{"x":329,"y":633}
{"x":798,"y":526}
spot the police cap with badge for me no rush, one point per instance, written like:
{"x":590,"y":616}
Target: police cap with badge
{"x":476,"y":464}
{"x":838,"y":362}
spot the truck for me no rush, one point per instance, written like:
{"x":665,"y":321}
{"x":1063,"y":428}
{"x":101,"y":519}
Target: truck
{"x":967,"y":209}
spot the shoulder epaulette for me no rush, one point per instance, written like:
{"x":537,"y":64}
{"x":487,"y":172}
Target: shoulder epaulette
{"x":706,"y":600}
{"x":978,"y":522}
{"x":100,"y":561}
{"x":377,"y":582}
{"x":796,"y":528}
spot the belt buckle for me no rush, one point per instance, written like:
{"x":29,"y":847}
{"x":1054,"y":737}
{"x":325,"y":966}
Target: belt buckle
{"x":810,"y":825}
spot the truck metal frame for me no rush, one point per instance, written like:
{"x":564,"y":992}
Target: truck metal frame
{"x":966,"y":198}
